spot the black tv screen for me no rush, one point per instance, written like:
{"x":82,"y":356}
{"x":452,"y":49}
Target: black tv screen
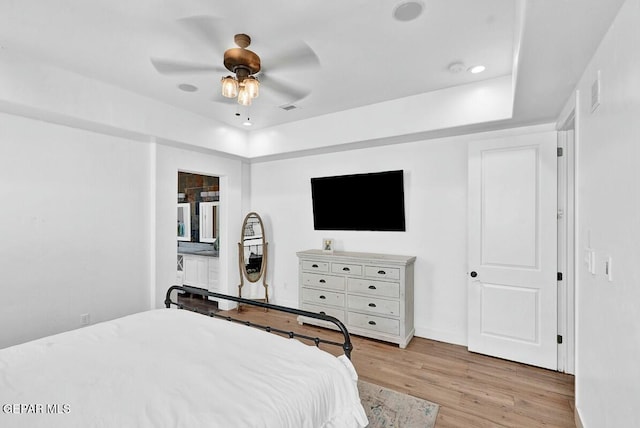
{"x":373,"y":201}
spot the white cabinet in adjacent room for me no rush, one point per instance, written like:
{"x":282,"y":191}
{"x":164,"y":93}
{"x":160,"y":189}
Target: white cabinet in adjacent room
{"x":201,"y":271}
{"x":213,"y":280}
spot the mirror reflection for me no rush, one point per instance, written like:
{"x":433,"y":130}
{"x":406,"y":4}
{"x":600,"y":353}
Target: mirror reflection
{"x":184,"y":222}
{"x":253,"y":247}
{"x":252,"y":255}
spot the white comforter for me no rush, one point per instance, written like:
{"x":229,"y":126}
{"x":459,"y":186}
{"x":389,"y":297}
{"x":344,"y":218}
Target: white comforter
{"x":174,"y":368}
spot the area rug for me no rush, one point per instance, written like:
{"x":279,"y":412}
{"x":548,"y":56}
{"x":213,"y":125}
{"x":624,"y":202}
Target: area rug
{"x":386,"y":408}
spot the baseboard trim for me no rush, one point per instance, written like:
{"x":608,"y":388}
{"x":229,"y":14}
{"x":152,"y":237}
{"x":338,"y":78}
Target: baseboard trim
{"x":287,"y":303}
{"x":441,"y":336}
{"x":576,"y":418}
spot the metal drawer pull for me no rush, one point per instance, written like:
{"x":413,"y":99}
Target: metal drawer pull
{"x":346,"y":269}
{"x":322,"y":281}
{"x":381,"y":272}
{"x":323,"y":297}
{"x":372,"y":287}
{"x":314,"y":265}
{"x":372,"y":322}
{"x":372,"y":305}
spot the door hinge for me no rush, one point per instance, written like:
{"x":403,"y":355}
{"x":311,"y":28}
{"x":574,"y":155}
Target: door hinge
{"x":559,"y":276}
{"x":559,"y":339}
{"x":560,"y":152}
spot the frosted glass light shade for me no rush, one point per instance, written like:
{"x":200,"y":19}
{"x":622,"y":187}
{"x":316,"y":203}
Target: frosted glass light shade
{"x":243,"y":97}
{"x":229,"y":87}
{"x":252,"y":86}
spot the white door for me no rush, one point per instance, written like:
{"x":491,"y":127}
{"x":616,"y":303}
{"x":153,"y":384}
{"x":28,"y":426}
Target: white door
{"x":512,"y":299}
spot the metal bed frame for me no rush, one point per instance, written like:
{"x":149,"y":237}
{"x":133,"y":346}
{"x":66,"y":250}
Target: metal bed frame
{"x":347,"y":347}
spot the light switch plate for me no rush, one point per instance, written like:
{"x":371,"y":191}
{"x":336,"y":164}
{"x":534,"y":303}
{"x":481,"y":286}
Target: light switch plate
{"x":596,"y":87}
{"x":590,"y":260}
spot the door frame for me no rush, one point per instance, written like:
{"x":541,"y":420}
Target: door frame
{"x":567,"y":139}
{"x":547,"y":275}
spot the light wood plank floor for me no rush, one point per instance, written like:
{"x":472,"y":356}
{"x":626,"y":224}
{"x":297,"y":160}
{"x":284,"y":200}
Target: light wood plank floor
{"x":472,"y":390}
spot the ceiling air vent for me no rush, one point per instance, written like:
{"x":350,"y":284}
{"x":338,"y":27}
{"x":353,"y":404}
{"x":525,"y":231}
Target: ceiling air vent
{"x":288,"y":107}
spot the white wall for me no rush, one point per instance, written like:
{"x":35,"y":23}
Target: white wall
{"x":73,"y":223}
{"x":473,"y":103}
{"x":36,"y":91}
{"x":608,"y":205}
{"x":169,"y":161}
{"x":436,"y":217}
{"x":32,"y":89}
{"x":88,"y":224}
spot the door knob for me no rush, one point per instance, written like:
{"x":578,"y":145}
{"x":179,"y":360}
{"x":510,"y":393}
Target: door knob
{"x":473,"y":274}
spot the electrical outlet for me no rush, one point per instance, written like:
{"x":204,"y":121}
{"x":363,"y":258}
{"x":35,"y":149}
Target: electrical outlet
{"x":85,"y":319}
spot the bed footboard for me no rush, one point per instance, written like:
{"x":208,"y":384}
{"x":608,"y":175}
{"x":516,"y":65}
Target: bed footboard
{"x":346,"y":344}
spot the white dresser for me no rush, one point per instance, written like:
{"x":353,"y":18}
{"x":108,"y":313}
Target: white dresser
{"x":372,"y":294}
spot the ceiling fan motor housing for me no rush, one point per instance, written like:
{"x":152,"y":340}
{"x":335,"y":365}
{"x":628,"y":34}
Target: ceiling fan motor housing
{"x":240,"y":60}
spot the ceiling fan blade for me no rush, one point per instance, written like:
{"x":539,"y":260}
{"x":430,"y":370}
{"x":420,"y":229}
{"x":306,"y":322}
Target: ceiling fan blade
{"x":171,"y":67}
{"x":284,"y":90}
{"x":298,"y":55}
{"x":211,"y":29}
{"x":217,"y":97}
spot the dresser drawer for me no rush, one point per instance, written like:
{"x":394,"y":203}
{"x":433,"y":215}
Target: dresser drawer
{"x":322,"y":281}
{"x":370,"y":304}
{"x":322,"y":297}
{"x":334,"y":312}
{"x":314,"y":266}
{"x":346,"y":269}
{"x":381,"y":272}
{"x":373,"y":288}
{"x":375,"y":323}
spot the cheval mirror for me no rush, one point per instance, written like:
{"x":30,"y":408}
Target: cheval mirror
{"x":252,"y":255}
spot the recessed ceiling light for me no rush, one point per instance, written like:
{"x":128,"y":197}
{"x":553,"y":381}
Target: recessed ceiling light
{"x":187,"y":87}
{"x":477,"y":69}
{"x":408,"y":10}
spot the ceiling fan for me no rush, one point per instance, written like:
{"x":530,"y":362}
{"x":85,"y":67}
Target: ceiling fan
{"x":248,"y":72}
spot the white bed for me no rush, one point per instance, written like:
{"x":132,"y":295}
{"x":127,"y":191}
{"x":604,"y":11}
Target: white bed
{"x":175,"y":368}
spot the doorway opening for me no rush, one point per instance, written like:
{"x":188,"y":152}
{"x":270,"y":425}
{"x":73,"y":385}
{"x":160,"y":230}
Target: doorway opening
{"x":198,"y":231}
{"x":566,"y":245}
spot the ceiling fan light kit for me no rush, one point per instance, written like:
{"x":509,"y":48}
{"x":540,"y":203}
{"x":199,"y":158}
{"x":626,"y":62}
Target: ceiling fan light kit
{"x":252,"y":86}
{"x":243,"y":97}
{"x":244,"y":63}
{"x":240,"y":66}
{"x":229,"y":87}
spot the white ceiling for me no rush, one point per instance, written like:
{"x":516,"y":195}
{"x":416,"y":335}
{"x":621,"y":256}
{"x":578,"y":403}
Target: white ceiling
{"x":364,"y":55}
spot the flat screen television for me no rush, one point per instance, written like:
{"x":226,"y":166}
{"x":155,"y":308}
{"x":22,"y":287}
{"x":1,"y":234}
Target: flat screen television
{"x":372,"y":201}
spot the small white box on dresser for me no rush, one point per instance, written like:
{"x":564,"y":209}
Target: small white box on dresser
{"x":372,"y":294}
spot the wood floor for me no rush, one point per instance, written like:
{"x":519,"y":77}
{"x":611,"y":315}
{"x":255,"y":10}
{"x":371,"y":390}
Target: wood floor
{"x":472,"y":390}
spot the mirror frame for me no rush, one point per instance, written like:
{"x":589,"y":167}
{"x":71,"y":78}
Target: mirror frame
{"x":206,"y":223}
{"x":243,"y":262}
{"x":186,"y":215}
